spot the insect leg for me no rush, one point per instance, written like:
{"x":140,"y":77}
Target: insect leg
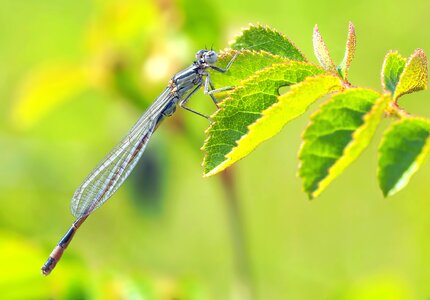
{"x":184,"y":101}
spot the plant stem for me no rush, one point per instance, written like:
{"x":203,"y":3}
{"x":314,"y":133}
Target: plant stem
{"x":244,"y":290}
{"x":395,"y":110}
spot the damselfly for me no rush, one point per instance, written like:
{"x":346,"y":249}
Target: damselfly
{"x":111,"y":172}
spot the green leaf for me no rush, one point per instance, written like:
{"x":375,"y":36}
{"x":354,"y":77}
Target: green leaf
{"x":263,"y":38}
{"x":245,"y":65}
{"x":44,"y":90}
{"x":403,"y":149}
{"x":337,"y":134}
{"x":415,"y":75}
{"x":351,"y":42}
{"x":393,"y":66}
{"x":321,"y":51}
{"x":288,"y":107}
{"x":245,"y":105}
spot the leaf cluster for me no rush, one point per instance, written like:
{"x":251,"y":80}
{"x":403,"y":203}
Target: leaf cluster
{"x":257,"y":108}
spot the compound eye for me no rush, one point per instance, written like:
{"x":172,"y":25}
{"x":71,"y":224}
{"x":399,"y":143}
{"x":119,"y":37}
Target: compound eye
{"x":200,"y":54}
{"x":211,"y":57}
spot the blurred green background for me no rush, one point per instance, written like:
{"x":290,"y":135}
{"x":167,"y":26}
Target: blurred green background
{"x":74,"y":77}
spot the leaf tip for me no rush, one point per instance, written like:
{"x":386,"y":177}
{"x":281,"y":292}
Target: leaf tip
{"x":321,"y":51}
{"x":414,"y":76}
{"x":316,"y":30}
{"x":349,"y":52}
{"x":385,"y":193}
{"x":351,"y":28}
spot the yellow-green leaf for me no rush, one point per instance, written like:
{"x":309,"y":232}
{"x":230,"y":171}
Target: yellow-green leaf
{"x":245,"y":105}
{"x":288,"y":107}
{"x":351,"y":42}
{"x":403,"y":149}
{"x":337,"y":135}
{"x":393,"y":66}
{"x":246,"y":64}
{"x":414,"y":76}
{"x":321,"y":51}
{"x":263,"y":38}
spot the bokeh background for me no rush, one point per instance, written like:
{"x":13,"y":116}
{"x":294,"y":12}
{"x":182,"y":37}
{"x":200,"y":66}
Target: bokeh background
{"x":74,"y":77}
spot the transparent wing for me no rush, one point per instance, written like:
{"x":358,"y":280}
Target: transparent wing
{"x":111,"y":172}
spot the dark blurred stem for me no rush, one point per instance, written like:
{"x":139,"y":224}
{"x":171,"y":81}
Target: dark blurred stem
{"x":245,"y":287}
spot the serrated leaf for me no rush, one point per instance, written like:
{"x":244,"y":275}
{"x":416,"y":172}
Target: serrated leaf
{"x":393,"y":66}
{"x":263,"y":38}
{"x":45,"y":90}
{"x":288,"y":107}
{"x":414,"y":76}
{"x":245,"y":105}
{"x":351,"y":42}
{"x":337,"y":134}
{"x":402,"y":151}
{"x":321,"y":51}
{"x":245,"y":65}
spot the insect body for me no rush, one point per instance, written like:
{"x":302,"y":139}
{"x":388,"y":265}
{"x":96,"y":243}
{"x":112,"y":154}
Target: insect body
{"x":111,"y":172}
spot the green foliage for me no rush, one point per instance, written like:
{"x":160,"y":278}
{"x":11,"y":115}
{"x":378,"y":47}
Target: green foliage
{"x":263,"y":38}
{"x":341,"y":129}
{"x":42,"y":165}
{"x":337,"y":135}
{"x":269,"y":120}
{"x":392,"y":68}
{"x":414,"y":76}
{"x":254,"y":110}
{"x":401,"y":77}
{"x":245,"y":105}
{"x":245,"y":65}
{"x":404,"y":146}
